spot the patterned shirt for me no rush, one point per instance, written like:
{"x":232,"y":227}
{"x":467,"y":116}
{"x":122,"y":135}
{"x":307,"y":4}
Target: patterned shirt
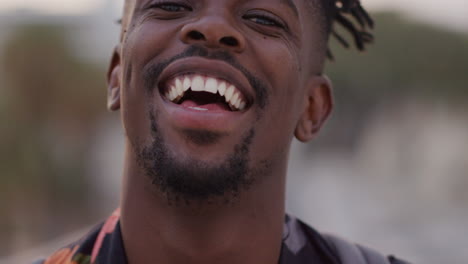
{"x":103,"y":245}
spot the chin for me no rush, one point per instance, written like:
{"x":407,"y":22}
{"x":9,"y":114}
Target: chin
{"x":182,"y":174}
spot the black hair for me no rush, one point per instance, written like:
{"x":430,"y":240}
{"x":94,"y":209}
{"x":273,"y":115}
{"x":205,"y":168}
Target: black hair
{"x":343,"y":12}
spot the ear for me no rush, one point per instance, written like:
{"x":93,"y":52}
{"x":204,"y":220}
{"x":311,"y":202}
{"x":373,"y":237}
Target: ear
{"x":317,"y":108}
{"x":114,"y":82}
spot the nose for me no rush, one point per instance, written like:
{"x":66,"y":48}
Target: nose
{"x":213,"y":32}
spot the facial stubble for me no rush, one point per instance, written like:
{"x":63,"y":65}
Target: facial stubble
{"x":190,"y":179}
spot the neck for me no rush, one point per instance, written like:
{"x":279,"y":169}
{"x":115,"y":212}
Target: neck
{"x":248,"y":230}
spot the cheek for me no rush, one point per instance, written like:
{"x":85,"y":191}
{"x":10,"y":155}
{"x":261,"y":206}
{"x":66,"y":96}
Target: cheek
{"x":277,"y":58}
{"x":149,"y":41}
{"x":134,"y":107}
{"x":279,"y":66}
{"x":143,"y":44}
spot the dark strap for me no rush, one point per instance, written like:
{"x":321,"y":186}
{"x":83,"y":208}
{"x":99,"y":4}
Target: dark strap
{"x":350,"y":253}
{"x":39,"y":261}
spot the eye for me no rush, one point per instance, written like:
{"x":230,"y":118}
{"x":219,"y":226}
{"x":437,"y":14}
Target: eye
{"x":173,"y":7}
{"x":264,"y":20}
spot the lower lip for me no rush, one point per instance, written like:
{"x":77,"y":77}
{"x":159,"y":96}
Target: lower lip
{"x":211,"y":117}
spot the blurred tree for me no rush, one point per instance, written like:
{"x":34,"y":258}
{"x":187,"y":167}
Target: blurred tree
{"x":409,"y":59}
{"x":54,"y":100}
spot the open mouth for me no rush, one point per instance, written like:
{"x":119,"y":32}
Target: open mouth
{"x":204,"y":93}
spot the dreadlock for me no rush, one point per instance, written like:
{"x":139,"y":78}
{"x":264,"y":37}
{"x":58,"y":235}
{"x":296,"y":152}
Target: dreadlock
{"x":342,"y":12}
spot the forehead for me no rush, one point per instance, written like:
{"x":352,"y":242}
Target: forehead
{"x":295,"y":5}
{"x":309,"y":12}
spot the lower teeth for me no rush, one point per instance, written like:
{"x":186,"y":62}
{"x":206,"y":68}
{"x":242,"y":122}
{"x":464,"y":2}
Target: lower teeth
{"x":198,"y":108}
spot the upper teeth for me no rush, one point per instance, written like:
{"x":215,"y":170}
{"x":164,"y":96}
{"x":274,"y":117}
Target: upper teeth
{"x":199,"y":83}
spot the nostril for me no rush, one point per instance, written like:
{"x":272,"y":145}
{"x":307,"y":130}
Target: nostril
{"x":230,"y":41}
{"x":196,"y":35}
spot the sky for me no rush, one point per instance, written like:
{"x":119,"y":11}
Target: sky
{"x":452,"y":13}
{"x":52,"y":6}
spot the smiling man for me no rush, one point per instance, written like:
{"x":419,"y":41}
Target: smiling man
{"x":211,"y":94}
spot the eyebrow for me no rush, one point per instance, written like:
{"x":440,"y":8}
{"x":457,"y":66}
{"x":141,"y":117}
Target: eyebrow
{"x":291,"y":4}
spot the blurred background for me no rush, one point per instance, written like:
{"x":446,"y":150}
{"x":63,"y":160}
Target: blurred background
{"x":390,"y":170}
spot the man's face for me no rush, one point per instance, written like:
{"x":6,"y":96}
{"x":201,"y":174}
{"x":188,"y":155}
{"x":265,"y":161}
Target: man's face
{"x":212,"y":91}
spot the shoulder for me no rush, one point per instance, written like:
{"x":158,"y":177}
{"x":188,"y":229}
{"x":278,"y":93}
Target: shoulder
{"x":92,"y":246}
{"x":77,"y":252}
{"x":337,"y":249}
{"x":349,"y":252}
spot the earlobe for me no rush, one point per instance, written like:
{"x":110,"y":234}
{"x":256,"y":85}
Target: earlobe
{"x":113,"y":82}
{"x":317,"y":108}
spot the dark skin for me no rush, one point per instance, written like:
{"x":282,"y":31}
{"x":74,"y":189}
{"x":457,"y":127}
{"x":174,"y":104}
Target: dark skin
{"x":288,"y":57}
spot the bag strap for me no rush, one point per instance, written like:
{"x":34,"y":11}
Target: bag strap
{"x":39,"y":261}
{"x":350,"y":253}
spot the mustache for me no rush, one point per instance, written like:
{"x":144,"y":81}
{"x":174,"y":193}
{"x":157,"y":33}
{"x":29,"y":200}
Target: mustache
{"x":152,"y":72}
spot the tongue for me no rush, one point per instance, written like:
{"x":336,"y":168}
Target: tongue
{"x":209,"y":107}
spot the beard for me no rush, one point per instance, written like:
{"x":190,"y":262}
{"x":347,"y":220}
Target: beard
{"x":190,"y":180}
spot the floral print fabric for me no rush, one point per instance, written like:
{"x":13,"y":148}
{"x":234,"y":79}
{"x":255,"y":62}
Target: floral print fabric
{"x":104,"y":245}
